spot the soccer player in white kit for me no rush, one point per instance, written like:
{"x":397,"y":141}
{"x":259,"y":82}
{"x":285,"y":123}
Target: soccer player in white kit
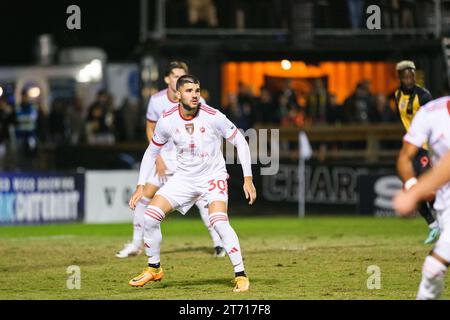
{"x":159,"y":103}
{"x":196,"y":131}
{"x":431,"y":125}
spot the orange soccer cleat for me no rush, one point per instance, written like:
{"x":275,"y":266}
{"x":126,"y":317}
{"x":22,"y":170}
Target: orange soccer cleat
{"x":241,"y":284}
{"x":149,"y":274}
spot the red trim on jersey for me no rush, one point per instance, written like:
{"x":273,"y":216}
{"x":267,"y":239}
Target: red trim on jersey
{"x":157,"y":144}
{"x":170,"y":111}
{"x":233,"y":135}
{"x":183,"y":117}
{"x":152,"y":121}
{"x":448,"y":106}
{"x":208,"y":110}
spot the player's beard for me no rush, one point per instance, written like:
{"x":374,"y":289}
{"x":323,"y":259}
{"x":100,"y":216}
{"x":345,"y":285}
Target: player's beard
{"x":188,"y":108}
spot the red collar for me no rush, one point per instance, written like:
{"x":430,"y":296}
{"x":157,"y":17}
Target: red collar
{"x":191,"y":117}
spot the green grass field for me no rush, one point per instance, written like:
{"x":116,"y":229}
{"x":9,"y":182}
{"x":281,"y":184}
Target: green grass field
{"x":285,"y":258}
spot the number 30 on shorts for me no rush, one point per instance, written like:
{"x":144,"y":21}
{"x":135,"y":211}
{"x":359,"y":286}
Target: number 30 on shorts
{"x":221,"y":184}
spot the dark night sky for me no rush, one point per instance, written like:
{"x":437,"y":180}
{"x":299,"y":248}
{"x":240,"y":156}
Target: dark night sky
{"x":113,"y":26}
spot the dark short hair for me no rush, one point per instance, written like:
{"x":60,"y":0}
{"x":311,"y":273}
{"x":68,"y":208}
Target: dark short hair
{"x":187,"y":78}
{"x":176,"y":65}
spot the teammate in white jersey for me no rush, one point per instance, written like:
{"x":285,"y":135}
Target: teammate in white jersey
{"x":165,"y":165}
{"x":196,"y":131}
{"x":431,"y":125}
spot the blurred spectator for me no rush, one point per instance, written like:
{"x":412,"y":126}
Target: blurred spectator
{"x":202,"y":13}
{"x":42,"y":125}
{"x":26,"y":124}
{"x":382,"y":112}
{"x":318,"y":102}
{"x":238,"y":113}
{"x":407,"y":13}
{"x":127,"y":119}
{"x":289,"y":92}
{"x":58,"y":122}
{"x":265,"y":111}
{"x":75,"y":115}
{"x":356,"y":13}
{"x":358,"y":106}
{"x":245,"y":104}
{"x":7,"y":120}
{"x":231,"y":110}
{"x":334,"y":111}
{"x":100,"y":120}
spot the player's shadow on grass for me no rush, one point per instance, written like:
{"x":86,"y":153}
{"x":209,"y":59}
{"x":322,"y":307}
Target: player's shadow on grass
{"x":208,"y":250}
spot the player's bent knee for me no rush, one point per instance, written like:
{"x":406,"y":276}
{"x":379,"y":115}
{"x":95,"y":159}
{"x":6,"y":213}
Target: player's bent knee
{"x":217,"y":207}
{"x":161,"y":203}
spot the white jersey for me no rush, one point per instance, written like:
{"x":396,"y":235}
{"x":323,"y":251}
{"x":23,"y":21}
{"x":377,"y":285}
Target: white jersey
{"x":158,"y":104}
{"x":431,"y":124}
{"x":197,"y":142}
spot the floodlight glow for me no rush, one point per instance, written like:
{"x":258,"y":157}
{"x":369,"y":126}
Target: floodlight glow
{"x":286,"y":64}
{"x":91,"y":72}
{"x":1,"y":91}
{"x":34,"y":92}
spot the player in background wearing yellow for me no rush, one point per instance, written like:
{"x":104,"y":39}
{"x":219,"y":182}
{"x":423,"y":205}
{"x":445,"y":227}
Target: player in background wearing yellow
{"x":166,"y":164}
{"x":413,"y":161}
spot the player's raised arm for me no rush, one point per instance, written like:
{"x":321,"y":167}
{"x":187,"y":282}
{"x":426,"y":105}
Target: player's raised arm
{"x":234,"y":136}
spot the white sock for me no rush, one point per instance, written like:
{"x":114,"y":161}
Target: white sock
{"x":219,"y":220}
{"x":432,"y":283}
{"x":205,"y":217}
{"x":138,"y":222}
{"x":152,"y":233}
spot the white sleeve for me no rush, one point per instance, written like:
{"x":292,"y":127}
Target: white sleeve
{"x":419,"y":130}
{"x":234,"y":136}
{"x":160,"y":137}
{"x":152,"y":114}
{"x":226,"y":128}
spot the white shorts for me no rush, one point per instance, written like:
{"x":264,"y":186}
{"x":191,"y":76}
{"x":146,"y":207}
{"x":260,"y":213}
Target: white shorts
{"x":183,"y":192}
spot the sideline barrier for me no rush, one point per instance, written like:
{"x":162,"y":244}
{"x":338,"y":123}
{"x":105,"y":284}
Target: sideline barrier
{"x":29,"y":198}
{"x":101,"y":196}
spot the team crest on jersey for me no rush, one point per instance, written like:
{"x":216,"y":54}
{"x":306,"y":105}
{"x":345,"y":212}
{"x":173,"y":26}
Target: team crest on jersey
{"x":189,"y":128}
{"x":202,"y":129}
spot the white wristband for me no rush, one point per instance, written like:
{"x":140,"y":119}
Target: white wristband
{"x":410,"y":182}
